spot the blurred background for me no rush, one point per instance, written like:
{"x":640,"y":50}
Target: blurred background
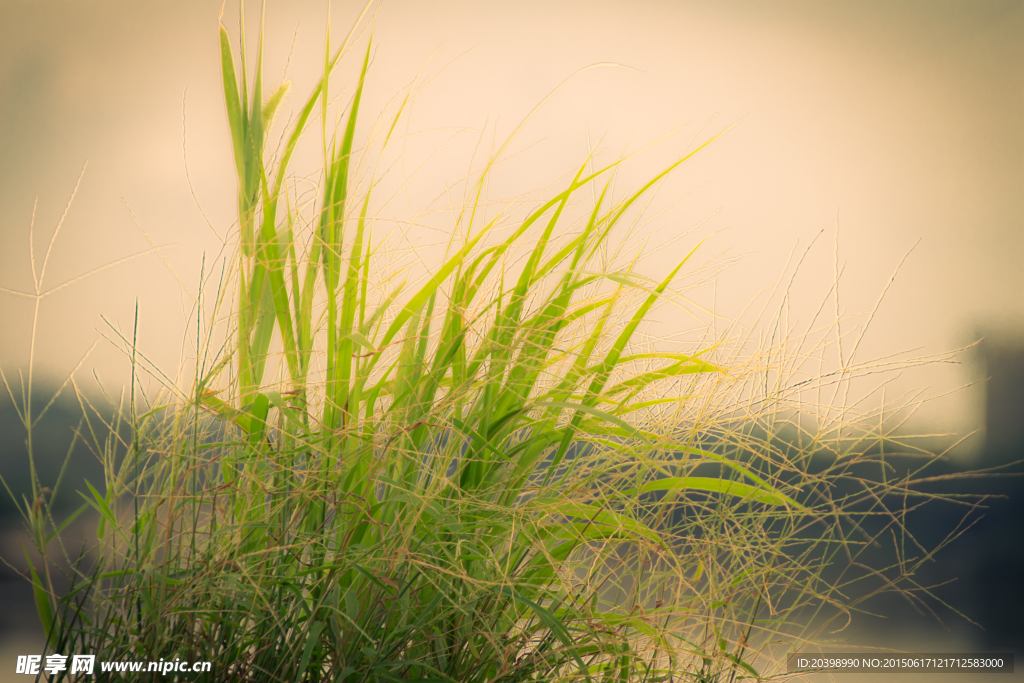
{"x":890,"y":131}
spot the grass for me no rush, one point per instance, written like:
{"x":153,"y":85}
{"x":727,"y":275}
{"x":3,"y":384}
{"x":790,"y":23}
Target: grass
{"x":483,"y":476}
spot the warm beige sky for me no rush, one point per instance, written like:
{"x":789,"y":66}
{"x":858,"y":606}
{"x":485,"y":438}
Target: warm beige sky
{"x":902,"y":118}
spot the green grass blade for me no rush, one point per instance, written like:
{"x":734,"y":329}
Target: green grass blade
{"x":311,"y":641}
{"x":42,"y":599}
{"x":231,"y":97}
{"x":274,"y":101}
{"x":723,"y":486}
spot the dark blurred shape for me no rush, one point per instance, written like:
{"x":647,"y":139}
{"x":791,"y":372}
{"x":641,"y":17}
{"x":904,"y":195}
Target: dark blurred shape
{"x":1003,"y":362}
{"x":980,"y":573}
{"x":998,"y":566}
{"x":52,"y":437}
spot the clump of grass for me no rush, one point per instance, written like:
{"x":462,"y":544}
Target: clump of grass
{"x":477,"y":479}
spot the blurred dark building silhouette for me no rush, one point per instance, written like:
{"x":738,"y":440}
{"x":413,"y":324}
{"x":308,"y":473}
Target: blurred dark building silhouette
{"x":1003,"y":365}
{"x":998,"y":572}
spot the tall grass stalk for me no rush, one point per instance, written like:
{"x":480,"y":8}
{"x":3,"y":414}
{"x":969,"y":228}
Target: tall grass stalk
{"x":479,"y":478}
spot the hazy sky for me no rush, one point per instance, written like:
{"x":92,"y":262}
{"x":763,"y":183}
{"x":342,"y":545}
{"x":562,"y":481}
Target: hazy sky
{"x":902,"y":119}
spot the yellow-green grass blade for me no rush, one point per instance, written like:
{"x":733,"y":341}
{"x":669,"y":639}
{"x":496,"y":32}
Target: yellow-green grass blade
{"x":408,"y":407}
{"x":639,"y":382}
{"x":453,"y":334}
{"x":287,"y":411}
{"x":582,"y":310}
{"x":602,"y":415}
{"x":332,"y":214}
{"x":221,"y":409}
{"x":270,"y":264}
{"x":241,"y":61}
{"x":600,"y":428}
{"x":612,"y":358}
{"x":527,"y":276}
{"x":423,"y":388}
{"x":726,"y":487}
{"x":568,"y":386}
{"x":378,"y":314}
{"x":339,"y":191}
{"x":263,"y":331}
{"x":405,"y":377}
{"x":350,"y":397}
{"x":537,"y":338}
{"x":312,"y":637}
{"x":595,"y":514}
{"x":302,"y":351}
{"x":274,"y":101}
{"x":255,"y":131}
{"x":419,"y":299}
{"x":41,"y":598}
{"x":493,"y":254}
{"x":550,"y":622}
{"x":258,"y":419}
{"x":623,"y":206}
{"x":101,"y":505}
{"x":231,"y":98}
{"x":332,"y":237}
{"x":626,"y":408}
